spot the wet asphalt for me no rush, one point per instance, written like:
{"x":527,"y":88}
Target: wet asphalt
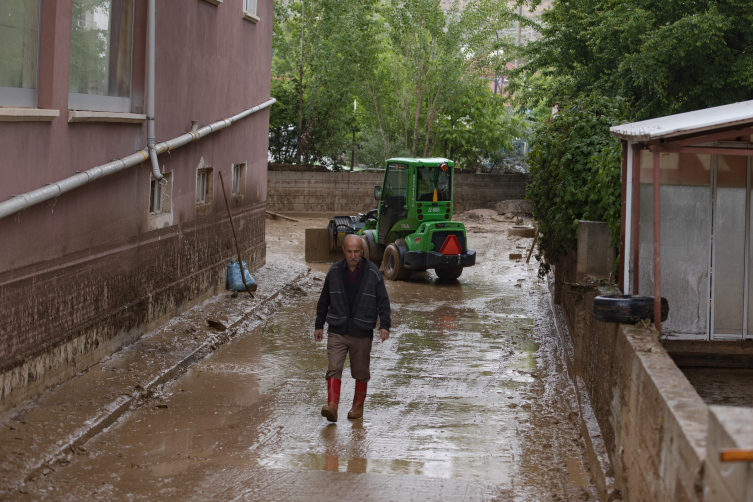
{"x":468,"y":401}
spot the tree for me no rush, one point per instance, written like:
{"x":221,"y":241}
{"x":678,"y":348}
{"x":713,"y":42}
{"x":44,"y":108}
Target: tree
{"x":663,"y":57}
{"x":406,"y":62}
{"x":602,"y":62}
{"x":325,"y":48}
{"x":575,"y":173}
{"x":477,"y":130}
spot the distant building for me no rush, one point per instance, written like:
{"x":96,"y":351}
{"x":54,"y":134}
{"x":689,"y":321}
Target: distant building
{"x":88,"y":272}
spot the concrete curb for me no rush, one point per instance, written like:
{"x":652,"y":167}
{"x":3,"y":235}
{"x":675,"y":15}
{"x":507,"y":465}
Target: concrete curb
{"x":75,"y":442}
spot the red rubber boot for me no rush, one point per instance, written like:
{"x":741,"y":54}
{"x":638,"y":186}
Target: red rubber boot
{"x":333,"y":399}
{"x":357,"y":410}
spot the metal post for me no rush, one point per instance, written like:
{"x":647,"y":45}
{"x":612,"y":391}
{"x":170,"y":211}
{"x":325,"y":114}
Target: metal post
{"x":747,"y":249}
{"x":712,"y":251}
{"x":623,"y":209}
{"x":636,"y":217}
{"x":657,"y":246}
{"x":353,"y":150}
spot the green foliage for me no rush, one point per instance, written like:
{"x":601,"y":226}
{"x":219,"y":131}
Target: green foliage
{"x":374,"y":147}
{"x":282,"y":137}
{"x":407,"y":63}
{"x":575,"y":173}
{"x":637,"y":59}
{"x":323,"y":49}
{"x":663,"y":57}
{"x":477,"y":130}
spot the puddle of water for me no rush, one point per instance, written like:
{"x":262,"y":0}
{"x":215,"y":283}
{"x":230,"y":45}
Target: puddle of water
{"x":449,"y":398}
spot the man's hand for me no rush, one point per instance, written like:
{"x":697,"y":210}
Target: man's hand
{"x":318,"y":335}
{"x":384,"y":334}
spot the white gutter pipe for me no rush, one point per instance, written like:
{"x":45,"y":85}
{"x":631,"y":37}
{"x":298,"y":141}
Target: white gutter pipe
{"x":151,"y":49}
{"x":21,"y":202}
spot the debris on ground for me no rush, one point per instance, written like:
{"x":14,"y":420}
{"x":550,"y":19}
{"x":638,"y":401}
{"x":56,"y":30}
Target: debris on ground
{"x":522,"y":231}
{"x":216,"y":324}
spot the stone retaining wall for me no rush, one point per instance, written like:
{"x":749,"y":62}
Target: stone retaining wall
{"x":651,"y":421}
{"x":646,"y":424}
{"x":289,"y":191}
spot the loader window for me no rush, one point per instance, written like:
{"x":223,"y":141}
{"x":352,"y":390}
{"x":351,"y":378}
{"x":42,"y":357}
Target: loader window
{"x":396,"y":183}
{"x":430,"y":178}
{"x":394,"y":193}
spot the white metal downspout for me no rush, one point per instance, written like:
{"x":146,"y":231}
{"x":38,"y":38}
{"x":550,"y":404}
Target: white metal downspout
{"x":150,"y":136}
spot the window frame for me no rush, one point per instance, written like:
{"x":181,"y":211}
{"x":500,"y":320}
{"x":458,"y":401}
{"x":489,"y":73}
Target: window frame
{"x":155,"y":197}
{"x":239,"y":180}
{"x":20,"y":97}
{"x":249,"y":15}
{"x":201,"y":186}
{"x":99,"y":103}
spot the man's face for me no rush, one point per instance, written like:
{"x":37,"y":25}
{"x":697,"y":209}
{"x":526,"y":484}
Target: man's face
{"x":353,"y":249}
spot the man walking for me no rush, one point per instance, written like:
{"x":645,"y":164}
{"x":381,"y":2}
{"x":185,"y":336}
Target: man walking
{"x":352,"y":295}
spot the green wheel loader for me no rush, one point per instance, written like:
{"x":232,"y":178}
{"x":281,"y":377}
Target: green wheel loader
{"x":412,"y":228}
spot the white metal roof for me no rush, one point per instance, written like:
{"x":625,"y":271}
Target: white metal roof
{"x":683,"y":123}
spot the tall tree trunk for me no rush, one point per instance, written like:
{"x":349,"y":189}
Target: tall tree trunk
{"x":300,"y":92}
{"x":416,"y":121}
{"x":430,"y":121}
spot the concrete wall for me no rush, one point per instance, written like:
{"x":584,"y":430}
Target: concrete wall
{"x":730,"y":427}
{"x":333,"y":192}
{"x":644,"y":423}
{"x":91,"y":271}
{"x":651,"y":420}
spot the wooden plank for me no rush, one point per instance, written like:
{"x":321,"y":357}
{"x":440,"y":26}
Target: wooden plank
{"x":281,"y":216}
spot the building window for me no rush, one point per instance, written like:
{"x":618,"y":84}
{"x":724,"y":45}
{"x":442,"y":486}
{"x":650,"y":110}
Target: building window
{"x":160,"y":195}
{"x":155,"y":197}
{"x":201,"y":187}
{"x":204,"y":190}
{"x":239,"y":180}
{"x":19,"y":40}
{"x":249,"y":10}
{"x":101,"y":46}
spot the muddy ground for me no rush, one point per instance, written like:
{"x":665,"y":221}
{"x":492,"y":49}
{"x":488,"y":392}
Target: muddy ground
{"x":468,"y":400}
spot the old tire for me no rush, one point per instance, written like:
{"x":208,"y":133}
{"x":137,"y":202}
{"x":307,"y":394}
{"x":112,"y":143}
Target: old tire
{"x":448,"y":273}
{"x":394,"y":269}
{"x":627,"y":309}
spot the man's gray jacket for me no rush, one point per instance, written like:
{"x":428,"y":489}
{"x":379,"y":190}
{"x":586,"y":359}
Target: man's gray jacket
{"x":371,"y":300}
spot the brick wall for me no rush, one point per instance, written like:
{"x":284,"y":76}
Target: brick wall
{"x":289,"y":191}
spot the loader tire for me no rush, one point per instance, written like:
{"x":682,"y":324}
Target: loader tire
{"x":394,"y":269}
{"x":371,"y":250}
{"x":627,"y":309}
{"x":448,"y":273}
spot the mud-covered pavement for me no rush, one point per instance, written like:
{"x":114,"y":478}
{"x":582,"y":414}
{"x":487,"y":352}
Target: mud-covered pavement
{"x":468,"y":401}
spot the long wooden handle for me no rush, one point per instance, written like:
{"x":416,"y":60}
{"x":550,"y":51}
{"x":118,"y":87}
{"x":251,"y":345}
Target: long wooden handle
{"x":235,"y":236}
{"x":535,"y":238}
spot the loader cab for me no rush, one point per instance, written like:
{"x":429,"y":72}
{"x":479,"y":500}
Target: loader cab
{"x":408,"y":185}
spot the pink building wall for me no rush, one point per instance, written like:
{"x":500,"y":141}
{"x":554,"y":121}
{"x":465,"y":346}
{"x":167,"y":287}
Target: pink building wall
{"x":89,"y":272}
